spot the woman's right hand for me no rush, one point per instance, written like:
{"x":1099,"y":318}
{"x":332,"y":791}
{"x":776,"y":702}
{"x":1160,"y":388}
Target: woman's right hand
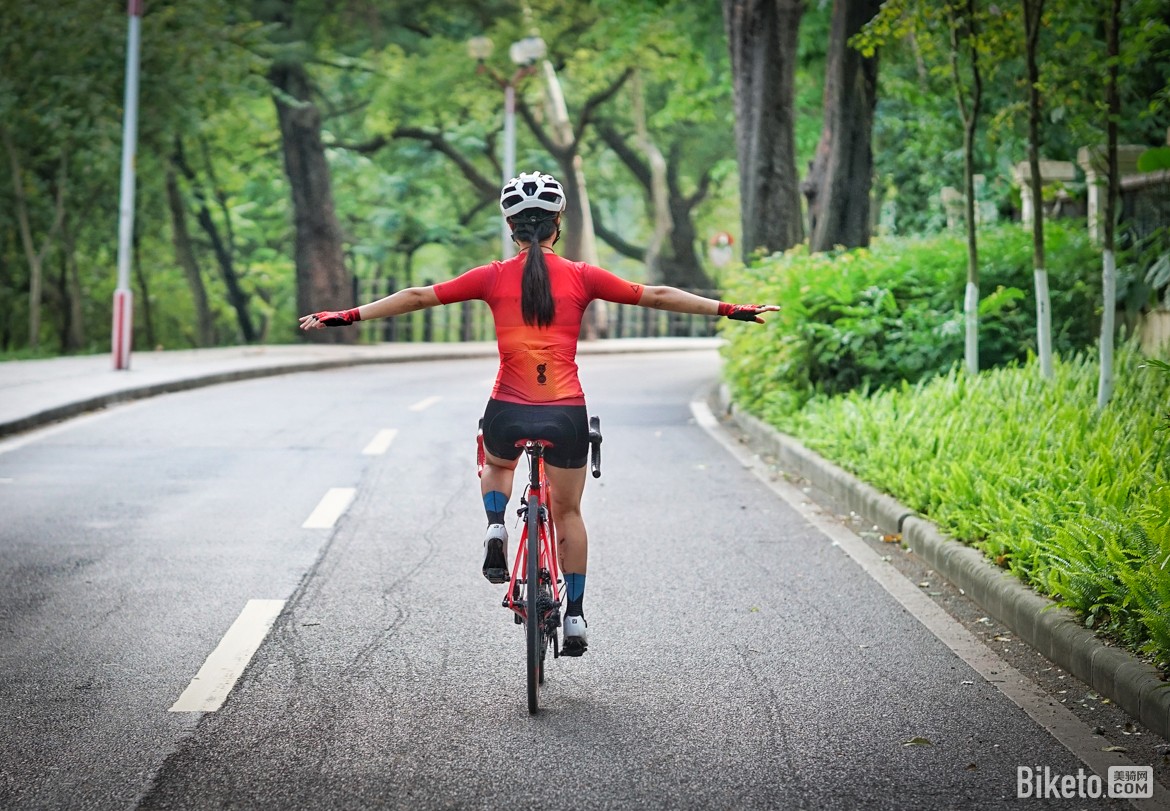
{"x":330,"y":318}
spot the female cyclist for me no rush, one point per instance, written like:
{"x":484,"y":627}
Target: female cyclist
{"x":537,"y":300}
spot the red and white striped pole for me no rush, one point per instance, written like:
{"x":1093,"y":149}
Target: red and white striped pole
{"x":123,"y":330}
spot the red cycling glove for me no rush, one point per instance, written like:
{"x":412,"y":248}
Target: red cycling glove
{"x":742,"y":312}
{"x":338,"y":318}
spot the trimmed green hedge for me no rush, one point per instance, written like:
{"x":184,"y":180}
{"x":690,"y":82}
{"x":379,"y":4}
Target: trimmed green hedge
{"x":871,"y":318}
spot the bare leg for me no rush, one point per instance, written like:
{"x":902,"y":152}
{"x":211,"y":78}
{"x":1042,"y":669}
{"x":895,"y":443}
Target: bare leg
{"x":497,"y":475}
{"x":567,"y":485}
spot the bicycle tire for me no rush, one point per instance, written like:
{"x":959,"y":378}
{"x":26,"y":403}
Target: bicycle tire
{"x":533,"y":619}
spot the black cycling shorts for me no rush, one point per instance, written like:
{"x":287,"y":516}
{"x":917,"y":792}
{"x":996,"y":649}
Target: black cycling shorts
{"x":565,"y":426}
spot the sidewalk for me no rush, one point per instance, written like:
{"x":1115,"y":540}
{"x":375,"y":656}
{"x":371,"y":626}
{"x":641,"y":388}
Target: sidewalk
{"x":38,"y":392}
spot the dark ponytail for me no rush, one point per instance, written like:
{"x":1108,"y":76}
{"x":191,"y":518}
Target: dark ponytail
{"x":536,"y":300}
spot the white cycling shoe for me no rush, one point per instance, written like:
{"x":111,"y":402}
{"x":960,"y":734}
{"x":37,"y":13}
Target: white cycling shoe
{"x":495,"y":554}
{"x":576,"y":636}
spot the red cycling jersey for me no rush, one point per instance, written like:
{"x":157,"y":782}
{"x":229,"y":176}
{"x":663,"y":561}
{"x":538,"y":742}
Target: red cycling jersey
{"x":538,"y":364}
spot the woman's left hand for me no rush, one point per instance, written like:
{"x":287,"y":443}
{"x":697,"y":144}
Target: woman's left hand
{"x":746,"y":312}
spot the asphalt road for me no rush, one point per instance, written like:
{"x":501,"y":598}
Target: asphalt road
{"x":738,"y":658}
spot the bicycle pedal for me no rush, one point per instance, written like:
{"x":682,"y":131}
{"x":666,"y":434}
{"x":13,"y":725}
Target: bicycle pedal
{"x":573,"y":647}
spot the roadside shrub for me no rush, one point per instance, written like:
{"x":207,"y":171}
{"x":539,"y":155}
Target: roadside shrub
{"x":868,"y":319}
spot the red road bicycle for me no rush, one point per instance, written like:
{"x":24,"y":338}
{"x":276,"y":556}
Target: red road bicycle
{"x":536,"y":574}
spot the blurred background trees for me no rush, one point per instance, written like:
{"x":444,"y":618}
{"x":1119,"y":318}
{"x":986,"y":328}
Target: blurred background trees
{"x":301,"y":154}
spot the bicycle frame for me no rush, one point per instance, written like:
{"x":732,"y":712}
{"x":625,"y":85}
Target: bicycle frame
{"x":539,"y":493}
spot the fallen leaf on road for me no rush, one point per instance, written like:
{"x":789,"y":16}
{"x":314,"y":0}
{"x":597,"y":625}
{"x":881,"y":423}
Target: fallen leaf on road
{"x":892,"y":538}
{"x":918,"y":740}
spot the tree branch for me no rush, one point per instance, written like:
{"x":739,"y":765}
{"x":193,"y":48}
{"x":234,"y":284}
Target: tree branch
{"x":467,"y":216}
{"x":626,"y":154}
{"x":483,"y":185}
{"x":437,"y":142}
{"x":364,"y":148}
{"x":595,"y":101}
{"x":562,"y":154}
{"x":615,"y":241}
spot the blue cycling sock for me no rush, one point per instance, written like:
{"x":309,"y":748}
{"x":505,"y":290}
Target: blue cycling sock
{"x":575,"y":591}
{"x":495,"y":503}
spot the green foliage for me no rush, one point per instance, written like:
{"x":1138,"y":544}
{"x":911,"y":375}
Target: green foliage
{"x":872,"y":318}
{"x":917,"y":133}
{"x":1153,"y":160}
{"x":1072,"y":500}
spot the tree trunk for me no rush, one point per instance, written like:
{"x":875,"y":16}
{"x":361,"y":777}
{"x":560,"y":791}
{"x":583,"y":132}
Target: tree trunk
{"x":1033,"y":14}
{"x":323,"y":282}
{"x":73,"y":334}
{"x":1109,"y":266}
{"x":686,"y":269}
{"x":841,"y":177}
{"x":762,"y":37}
{"x":682,"y":265}
{"x":143,"y":297}
{"x":35,"y":257}
{"x":223,"y":250}
{"x":678,"y":262}
{"x":663,"y":222}
{"x":185,"y":256}
{"x":962,"y":25}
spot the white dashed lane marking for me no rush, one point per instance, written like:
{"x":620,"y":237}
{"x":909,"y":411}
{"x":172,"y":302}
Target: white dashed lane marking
{"x":423,"y":405}
{"x":211,"y":685}
{"x":331,"y":507}
{"x":381,"y":442}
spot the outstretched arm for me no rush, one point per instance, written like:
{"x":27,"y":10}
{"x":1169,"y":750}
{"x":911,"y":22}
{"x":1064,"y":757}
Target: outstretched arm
{"x":404,"y":301}
{"x":662,"y":297}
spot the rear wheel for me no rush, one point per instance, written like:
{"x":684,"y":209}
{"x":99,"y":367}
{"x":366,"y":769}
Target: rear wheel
{"x":532,"y":610}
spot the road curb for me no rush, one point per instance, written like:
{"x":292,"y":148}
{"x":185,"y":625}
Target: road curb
{"x":1051,"y":630}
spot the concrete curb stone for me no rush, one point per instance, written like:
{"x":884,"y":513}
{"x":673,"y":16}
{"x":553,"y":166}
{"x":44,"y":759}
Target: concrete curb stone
{"x":1050,"y":629}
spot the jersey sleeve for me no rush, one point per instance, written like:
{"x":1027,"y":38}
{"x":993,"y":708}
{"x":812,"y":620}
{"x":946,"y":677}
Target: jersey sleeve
{"x":476,"y":283}
{"x":600,"y":283}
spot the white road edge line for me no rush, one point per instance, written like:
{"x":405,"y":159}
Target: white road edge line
{"x":381,"y":442}
{"x":331,"y":507}
{"x":1058,"y":720}
{"x":219,"y":674}
{"x":423,"y":405}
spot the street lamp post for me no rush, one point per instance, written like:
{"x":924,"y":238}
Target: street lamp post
{"x":123,"y":297}
{"x":524,"y":53}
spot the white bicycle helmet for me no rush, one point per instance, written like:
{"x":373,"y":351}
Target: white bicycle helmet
{"x":532,"y":190}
